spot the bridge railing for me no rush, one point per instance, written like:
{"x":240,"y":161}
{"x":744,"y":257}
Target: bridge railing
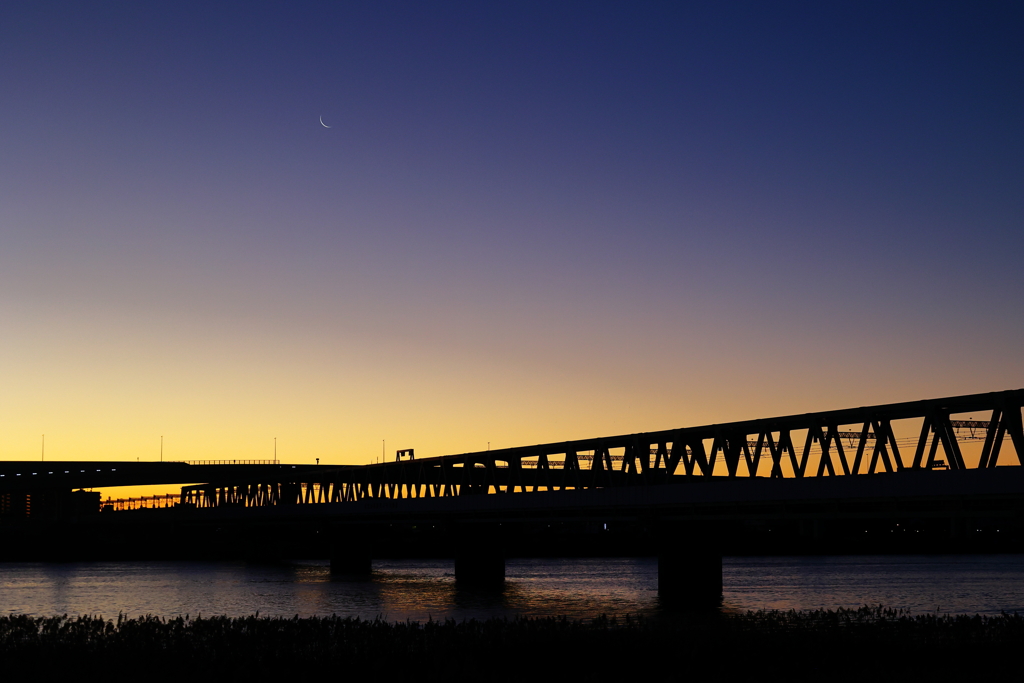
{"x":169,"y":500}
{"x":231,"y":462}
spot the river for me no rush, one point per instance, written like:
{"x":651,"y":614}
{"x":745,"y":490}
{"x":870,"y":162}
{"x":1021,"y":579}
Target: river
{"x":576,"y":588}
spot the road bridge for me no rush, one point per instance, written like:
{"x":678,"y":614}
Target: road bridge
{"x":946,"y":469}
{"x":765,"y":448}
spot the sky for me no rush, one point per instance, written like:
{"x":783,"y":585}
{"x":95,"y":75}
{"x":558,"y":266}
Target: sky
{"x":517,"y":222}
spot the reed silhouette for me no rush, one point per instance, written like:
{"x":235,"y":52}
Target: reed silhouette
{"x":842,"y":645}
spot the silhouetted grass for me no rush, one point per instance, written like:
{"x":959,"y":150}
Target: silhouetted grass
{"x":818,"y":645}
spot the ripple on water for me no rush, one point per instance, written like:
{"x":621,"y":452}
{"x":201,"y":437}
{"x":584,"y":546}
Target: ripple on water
{"x":575,"y":588}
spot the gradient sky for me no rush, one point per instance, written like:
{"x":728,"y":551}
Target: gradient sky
{"x":527,"y":222}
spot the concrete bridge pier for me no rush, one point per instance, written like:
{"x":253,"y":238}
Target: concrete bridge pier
{"x":689,"y":569}
{"x":480,"y":556}
{"x":350,"y":550}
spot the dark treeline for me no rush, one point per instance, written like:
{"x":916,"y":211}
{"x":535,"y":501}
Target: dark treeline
{"x":842,"y":645}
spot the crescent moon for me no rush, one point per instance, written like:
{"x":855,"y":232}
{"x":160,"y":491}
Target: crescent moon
{"x":322,"y":122}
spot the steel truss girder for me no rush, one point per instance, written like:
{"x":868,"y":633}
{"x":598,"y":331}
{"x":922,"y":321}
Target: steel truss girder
{"x":659,"y":457}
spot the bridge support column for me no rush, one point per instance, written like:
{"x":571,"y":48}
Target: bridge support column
{"x":350,"y":551}
{"x":689,"y":570}
{"x":480,"y":556}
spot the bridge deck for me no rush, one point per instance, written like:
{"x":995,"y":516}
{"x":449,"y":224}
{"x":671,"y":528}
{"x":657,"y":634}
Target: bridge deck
{"x":752,"y":454}
{"x":813,"y":445}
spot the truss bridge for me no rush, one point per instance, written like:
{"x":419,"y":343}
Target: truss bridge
{"x":913,"y":436}
{"x":938,"y":475}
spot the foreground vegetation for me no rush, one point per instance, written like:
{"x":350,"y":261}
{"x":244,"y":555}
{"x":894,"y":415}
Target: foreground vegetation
{"x":835,"y":645}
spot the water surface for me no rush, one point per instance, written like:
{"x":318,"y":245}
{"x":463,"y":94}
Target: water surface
{"x":575,"y":588}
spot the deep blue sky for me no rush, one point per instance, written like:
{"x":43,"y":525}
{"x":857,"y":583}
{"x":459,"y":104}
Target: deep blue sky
{"x":527,"y":222}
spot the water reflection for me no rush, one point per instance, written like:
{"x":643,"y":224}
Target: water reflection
{"x":968,"y":584}
{"x":576,"y":588}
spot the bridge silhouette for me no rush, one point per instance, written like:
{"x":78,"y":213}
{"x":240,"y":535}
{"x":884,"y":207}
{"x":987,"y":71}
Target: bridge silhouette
{"x":946,"y":470}
{"x":754,"y":448}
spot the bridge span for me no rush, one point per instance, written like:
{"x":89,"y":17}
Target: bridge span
{"x":858,"y":441}
{"x":939,"y":475}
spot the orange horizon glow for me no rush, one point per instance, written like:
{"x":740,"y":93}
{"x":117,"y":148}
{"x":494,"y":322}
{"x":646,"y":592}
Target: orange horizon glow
{"x":906,"y":431}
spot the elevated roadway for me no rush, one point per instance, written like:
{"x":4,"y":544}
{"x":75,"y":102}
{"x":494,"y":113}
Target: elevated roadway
{"x":29,"y":475}
{"x":690,"y":492}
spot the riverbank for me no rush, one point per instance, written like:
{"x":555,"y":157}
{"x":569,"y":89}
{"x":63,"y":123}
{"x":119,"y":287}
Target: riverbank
{"x":838,"y":645}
